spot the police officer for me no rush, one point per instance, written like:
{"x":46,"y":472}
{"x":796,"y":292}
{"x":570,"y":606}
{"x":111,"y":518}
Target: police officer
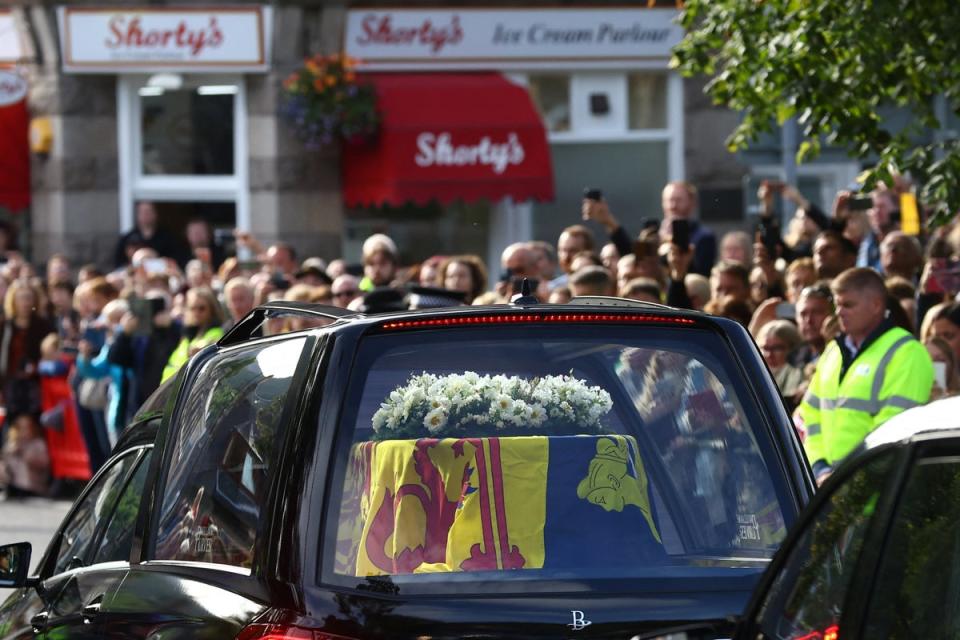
{"x":871,"y":372}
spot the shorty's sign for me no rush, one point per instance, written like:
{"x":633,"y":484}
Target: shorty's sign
{"x":440,"y":149}
{"x":389,"y":38}
{"x":193,"y":39}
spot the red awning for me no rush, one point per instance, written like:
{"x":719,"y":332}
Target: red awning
{"x":14,"y":142}
{"x":449,"y":137}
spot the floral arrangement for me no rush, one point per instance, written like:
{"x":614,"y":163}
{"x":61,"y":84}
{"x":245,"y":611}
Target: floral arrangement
{"x":473,"y":405}
{"x":323,"y":101}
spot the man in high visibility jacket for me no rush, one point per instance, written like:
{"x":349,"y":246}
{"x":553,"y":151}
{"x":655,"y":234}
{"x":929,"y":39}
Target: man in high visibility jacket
{"x":871,"y":372}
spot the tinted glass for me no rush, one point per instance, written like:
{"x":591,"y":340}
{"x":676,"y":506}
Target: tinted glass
{"x":806,"y":600}
{"x":118,"y":535}
{"x":551,"y":95}
{"x":918,"y":584}
{"x":647,"y":100}
{"x":575,"y":452}
{"x":97,"y":503}
{"x":223,"y":454}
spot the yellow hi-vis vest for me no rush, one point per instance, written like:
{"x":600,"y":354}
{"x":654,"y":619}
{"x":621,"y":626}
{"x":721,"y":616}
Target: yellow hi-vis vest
{"x":892,"y":374}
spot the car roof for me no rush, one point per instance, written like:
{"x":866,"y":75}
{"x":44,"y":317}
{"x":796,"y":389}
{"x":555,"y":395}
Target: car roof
{"x":940,"y":416}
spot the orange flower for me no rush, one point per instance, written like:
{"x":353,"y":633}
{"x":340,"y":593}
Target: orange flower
{"x":313,"y":67}
{"x":330,"y":80}
{"x":349,"y":76}
{"x":318,"y":85}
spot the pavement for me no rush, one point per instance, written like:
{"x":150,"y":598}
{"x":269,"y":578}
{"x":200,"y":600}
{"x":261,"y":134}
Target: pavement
{"x":32,"y":520}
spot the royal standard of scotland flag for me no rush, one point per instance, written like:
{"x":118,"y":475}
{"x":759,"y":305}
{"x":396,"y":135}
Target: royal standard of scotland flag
{"x":482,"y":504}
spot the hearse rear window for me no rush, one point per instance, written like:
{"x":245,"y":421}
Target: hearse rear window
{"x":551,"y":453}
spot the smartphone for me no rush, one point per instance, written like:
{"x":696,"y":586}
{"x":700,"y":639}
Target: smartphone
{"x":592,"y":194}
{"x":680,"y":233}
{"x":768,"y":232}
{"x":860,"y":203}
{"x":786,"y":311}
{"x":155,"y":265}
{"x":940,"y":374}
{"x":145,"y":309}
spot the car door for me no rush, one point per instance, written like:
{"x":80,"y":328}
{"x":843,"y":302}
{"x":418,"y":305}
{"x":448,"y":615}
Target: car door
{"x":877,"y":554}
{"x":78,"y":575}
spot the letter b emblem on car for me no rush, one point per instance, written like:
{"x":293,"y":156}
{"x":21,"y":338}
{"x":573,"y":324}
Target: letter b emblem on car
{"x":579,"y":621}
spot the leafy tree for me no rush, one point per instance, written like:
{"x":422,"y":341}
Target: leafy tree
{"x":837,"y":67}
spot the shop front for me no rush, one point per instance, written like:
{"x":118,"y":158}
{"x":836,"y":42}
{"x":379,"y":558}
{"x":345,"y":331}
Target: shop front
{"x":181,"y":110}
{"x":595,"y":80}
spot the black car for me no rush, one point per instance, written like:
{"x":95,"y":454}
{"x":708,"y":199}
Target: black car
{"x":595,"y":469}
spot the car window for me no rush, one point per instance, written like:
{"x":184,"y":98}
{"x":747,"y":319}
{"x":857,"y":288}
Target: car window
{"x":916,"y":590}
{"x":222,"y":454}
{"x":79,"y":530}
{"x":117,"y":537}
{"x":572,"y":453}
{"x":806,"y":598}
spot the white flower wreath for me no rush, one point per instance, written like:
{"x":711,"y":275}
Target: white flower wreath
{"x":465,"y":404}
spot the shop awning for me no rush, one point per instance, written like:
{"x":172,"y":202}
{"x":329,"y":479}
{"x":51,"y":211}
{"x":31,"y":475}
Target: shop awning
{"x":14,"y":143}
{"x":449,"y":137}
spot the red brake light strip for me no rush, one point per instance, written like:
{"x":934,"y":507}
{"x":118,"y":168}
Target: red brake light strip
{"x":545,"y":318}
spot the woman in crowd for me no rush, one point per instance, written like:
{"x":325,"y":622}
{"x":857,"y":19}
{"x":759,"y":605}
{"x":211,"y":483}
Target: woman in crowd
{"x":23,"y":331}
{"x":202,"y":325}
{"x":464,"y":273}
{"x":946,"y":383}
{"x":776,"y":340}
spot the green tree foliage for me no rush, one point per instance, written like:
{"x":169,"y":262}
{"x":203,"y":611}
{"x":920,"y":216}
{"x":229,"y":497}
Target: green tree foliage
{"x":834,"y":65}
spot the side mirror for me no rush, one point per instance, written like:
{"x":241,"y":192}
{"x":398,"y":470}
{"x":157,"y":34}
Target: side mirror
{"x":14,"y":565}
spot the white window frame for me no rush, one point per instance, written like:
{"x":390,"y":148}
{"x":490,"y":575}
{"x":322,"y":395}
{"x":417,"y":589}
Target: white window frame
{"x":134,"y":185}
{"x":620,"y":130}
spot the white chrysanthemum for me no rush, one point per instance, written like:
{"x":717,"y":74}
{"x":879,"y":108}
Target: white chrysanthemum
{"x":536,"y":415}
{"x":435,"y":420}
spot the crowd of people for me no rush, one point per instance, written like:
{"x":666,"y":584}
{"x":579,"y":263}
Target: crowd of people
{"x":830,"y":300}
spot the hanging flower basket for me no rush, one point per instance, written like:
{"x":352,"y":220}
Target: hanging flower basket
{"x":471,"y":405}
{"x":323,"y":102}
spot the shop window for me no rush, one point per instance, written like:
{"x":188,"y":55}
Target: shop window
{"x":188,"y":131}
{"x":630,"y":174}
{"x":551,"y":95}
{"x":647,"y":100}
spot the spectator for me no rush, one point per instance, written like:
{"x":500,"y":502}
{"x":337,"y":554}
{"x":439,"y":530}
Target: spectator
{"x":546,"y":258}
{"x":144,"y":351}
{"x":732,"y":307}
{"x":730,"y":279}
{"x":203,"y":325}
{"x":870,"y":373}
{"x":901,"y":256}
{"x":520,"y":260}
{"x":800,"y":274}
{"x":698,"y":290}
{"x":24,"y":460}
{"x":814,"y":307}
{"x":586,"y":259}
{"x":945,"y":361}
{"x":202,"y":244}
{"x":336,"y":268}
{"x":573,"y":240}
{"x":281,"y":258}
{"x":380,"y":262}
{"x":592,"y":281}
{"x":23,"y":331}
{"x":881,"y":217}
{"x":943,"y":321}
{"x":58,"y":269}
{"x":313,"y":271}
{"x":429,"y":270}
{"x":609,"y":255}
{"x":737,"y":246}
{"x":238,"y":299}
{"x":904,"y":293}
{"x":679,"y":201}
{"x":345,"y":289}
{"x":642,"y":289}
{"x":776,"y":340}
{"x":833,"y":254}
{"x":198,"y":274}
{"x":464,"y":273}
{"x":146,"y":233}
